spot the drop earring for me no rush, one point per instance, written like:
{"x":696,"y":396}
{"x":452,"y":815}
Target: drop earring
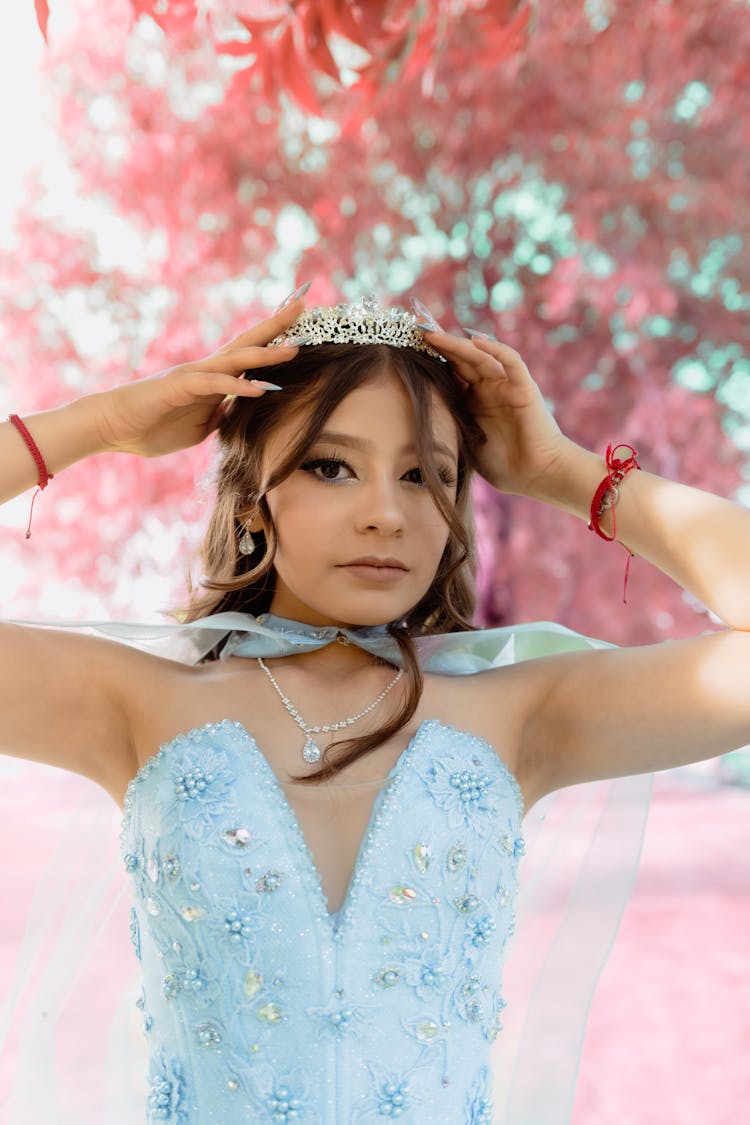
{"x":247,"y":544}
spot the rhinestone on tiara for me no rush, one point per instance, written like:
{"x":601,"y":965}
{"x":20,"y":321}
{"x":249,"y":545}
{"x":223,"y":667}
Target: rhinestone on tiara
{"x":364,"y":322}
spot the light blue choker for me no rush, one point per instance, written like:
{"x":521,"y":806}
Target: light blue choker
{"x":278,"y":636}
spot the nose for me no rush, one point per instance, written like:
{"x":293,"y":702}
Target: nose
{"x":381,"y":508}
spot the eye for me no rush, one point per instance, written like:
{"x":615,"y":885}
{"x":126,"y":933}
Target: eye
{"x":326,"y":468}
{"x":446,"y":477}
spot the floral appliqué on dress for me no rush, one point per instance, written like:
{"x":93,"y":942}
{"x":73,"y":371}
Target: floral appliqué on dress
{"x":393,"y":1009}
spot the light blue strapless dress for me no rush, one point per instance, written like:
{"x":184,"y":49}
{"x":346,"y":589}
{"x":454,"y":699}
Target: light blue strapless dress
{"x":259,"y":1005}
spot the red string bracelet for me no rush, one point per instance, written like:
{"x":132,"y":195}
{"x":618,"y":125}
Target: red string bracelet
{"x":607,"y":495}
{"x":44,"y":475}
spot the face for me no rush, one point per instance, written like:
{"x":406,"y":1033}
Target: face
{"x":359,"y":534}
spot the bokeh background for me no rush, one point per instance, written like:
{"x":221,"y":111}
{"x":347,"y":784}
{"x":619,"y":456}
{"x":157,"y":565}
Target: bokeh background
{"x":569,"y":176}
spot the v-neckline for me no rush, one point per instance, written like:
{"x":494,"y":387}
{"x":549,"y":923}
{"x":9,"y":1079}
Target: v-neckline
{"x":335,"y":921}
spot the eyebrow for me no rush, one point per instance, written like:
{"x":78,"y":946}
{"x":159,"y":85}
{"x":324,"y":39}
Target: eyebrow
{"x":366,"y":446}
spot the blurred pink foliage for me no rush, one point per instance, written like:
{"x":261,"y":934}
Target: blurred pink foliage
{"x":290,"y":43}
{"x":558,"y":177}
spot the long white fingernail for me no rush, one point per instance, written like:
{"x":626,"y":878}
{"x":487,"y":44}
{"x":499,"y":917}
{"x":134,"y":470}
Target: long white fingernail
{"x":267,"y":386}
{"x":293,"y":296}
{"x":290,"y":341}
{"x":424,"y":316}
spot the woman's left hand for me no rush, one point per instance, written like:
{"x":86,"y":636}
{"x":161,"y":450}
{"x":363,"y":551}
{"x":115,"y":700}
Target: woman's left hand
{"x":524,"y":442}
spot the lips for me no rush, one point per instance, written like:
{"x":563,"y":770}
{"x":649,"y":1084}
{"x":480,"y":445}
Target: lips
{"x":375,"y":560}
{"x":376,"y":569}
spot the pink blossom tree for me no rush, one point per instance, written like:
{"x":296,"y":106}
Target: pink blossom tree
{"x":569,"y":177}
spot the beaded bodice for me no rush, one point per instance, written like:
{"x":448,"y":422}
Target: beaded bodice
{"x":260,"y":1006}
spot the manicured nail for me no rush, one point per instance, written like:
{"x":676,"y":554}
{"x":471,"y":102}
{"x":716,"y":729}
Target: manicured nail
{"x":293,"y":296}
{"x":289,"y":341}
{"x":424,"y":315}
{"x":424,"y":326}
{"x":476,"y":332}
{"x":267,"y":386}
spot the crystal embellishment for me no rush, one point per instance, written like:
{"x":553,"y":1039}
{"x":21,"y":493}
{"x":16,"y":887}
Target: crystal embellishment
{"x":310,"y":752}
{"x":427,"y":1031}
{"x":208,"y":1035}
{"x":422,"y":855}
{"x":467,"y":904}
{"x":401,"y":894}
{"x":271,"y":881}
{"x":386,"y":978}
{"x":269,"y":1013}
{"x":237,"y":837}
{"x":253,"y":983}
{"x":366,"y":321}
{"x":241,"y":972}
{"x":456,"y":858}
{"x":192,"y":913}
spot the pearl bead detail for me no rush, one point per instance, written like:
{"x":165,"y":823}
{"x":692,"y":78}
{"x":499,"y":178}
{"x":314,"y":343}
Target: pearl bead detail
{"x":421,"y":866}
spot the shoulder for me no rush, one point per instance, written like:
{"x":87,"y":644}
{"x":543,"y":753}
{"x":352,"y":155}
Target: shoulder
{"x":160,"y":698}
{"x":167,"y":698}
{"x":495,"y":705}
{"x":68,"y":698}
{"x":491,"y":704}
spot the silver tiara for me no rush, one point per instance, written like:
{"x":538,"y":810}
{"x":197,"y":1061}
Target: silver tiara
{"x":364,"y":322}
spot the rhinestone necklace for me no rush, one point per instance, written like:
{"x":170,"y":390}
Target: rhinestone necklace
{"x":311,"y":751}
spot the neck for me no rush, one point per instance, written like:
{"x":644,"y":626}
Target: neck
{"x":333,"y":660}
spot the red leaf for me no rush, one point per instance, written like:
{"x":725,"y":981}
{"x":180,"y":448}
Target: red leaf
{"x":236,"y":47}
{"x":341,"y":16}
{"x":267,"y":69}
{"x":293,"y":66}
{"x":42,"y":16}
{"x":260,"y":26}
{"x":315,"y":38}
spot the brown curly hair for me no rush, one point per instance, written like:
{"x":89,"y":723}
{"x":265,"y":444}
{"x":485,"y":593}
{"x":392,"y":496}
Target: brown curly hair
{"x":315,"y":381}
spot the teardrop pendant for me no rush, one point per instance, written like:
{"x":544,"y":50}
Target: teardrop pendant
{"x":247,"y":544}
{"x":311,"y":752}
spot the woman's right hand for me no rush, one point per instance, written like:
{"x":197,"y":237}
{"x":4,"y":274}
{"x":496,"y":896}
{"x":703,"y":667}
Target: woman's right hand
{"x":179,"y":407}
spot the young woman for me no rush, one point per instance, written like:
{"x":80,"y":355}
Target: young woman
{"x":324,"y":850}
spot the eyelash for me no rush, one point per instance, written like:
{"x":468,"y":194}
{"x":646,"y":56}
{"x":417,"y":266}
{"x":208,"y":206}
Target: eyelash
{"x":314,"y":463}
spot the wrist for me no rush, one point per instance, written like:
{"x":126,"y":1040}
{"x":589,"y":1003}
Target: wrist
{"x":45,"y":444}
{"x":571,"y":480}
{"x":80,"y":431}
{"x":67,"y":433}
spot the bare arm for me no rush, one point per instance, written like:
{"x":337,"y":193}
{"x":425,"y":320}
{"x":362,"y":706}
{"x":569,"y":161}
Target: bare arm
{"x":605,"y":714}
{"x":610,"y":713}
{"x":700,"y":540}
{"x":66,"y":435}
{"x":64,"y":698}
{"x":58,"y":701}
